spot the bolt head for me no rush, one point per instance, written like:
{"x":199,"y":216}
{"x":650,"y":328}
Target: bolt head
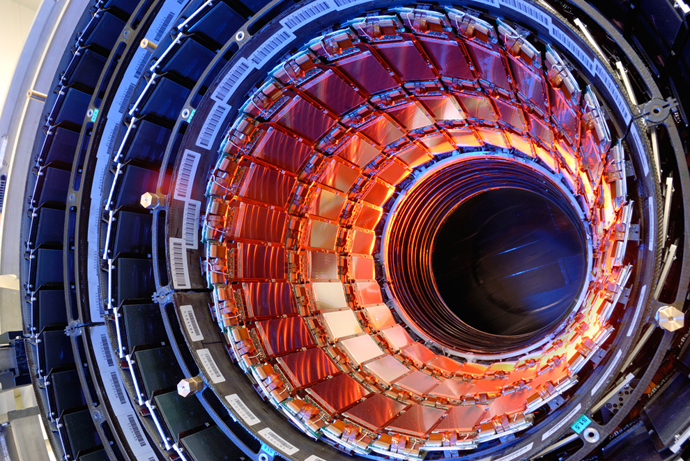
{"x":150,"y":200}
{"x":670,"y":318}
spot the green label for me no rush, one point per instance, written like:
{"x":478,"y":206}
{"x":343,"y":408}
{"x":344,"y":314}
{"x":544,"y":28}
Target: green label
{"x":580,"y":425}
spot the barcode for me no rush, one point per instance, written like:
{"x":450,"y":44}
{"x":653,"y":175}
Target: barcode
{"x":116,"y":386}
{"x":178,"y":264}
{"x":135,"y":430}
{"x":640,"y":150}
{"x":126,"y":98}
{"x":488,"y":2}
{"x":528,"y":10}
{"x":190,"y":225}
{"x":185,"y":175}
{"x":140,"y":67}
{"x":573,"y":48}
{"x":612,"y":88}
{"x":105,"y":346}
{"x":227,"y":86}
{"x":210,"y":366}
{"x":271,"y":47}
{"x":305,"y":14}
{"x":344,"y":3}
{"x":191,"y":323}
{"x":212,"y":124}
{"x":277,"y":441}
{"x":162,"y":27}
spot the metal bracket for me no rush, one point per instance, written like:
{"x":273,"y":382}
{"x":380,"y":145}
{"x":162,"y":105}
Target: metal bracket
{"x":634,"y":233}
{"x":658,"y":110}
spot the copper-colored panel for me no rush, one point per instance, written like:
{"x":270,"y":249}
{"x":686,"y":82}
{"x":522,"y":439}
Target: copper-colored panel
{"x":462,"y":418}
{"x":529,"y":83}
{"x":414,"y":155}
{"x":477,"y":106}
{"x":368,"y":217}
{"x":333,"y":92}
{"x":338,"y":175}
{"x":493,"y":137}
{"x":322,"y":265}
{"x":541,"y":130}
{"x":448,"y":58}
{"x":322,"y":235}
{"x":387,"y":368}
{"x":379,"y":316}
{"x":452,"y":389}
{"x":472,"y":369}
{"x":369,"y":293}
{"x":418,"y":382}
{"x":410,"y":116}
{"x":397,"y":337}
{"x":382,"y":131}
{"x":489,"y":65}
{"x":327,"y":204}
{"x":419,"y":353}
{"x":416,"y":421}
{"x":340,"y":324}
{"x":261,"y":262}
{"x":508,"y":404}
{"x":282,"y":150}
{"x":443,"y":108}
{"x":437,"y":144}
{"x":284,"y":335}
{"x":362,"y":242}
{"x":378,"y":193}
{"x":329,"y":295}
{"x":394,"y":172}
{"x":358,"y":151}
{"x":510,"y":114}
{"x":367,"y":73}
{"x":306,"y":367}
{"x":375,"y":411}
{"x":362,"y":268}
{"x":444,"y":363}
{"x":564,"y":114}
{"x":258,"y":223}
{"x":520,"y":143}
{"x":361,"y":349}
{"x":267,"y":185}
{"x":464,"y":137}
{"x":487,"y":386}
{"x":304,"y":119}
{"x":406,"y":61}
{"x":270,"y":299}
{"x":337,"y":393}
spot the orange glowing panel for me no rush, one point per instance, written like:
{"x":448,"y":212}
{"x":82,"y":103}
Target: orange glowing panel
{"x":387,"y":368}
{"x":284,"y":335}
{"x":444,"y":364}
{"x":362,"y":241}
{"x":266,"y":185}
{"x":406,"y":61}
{"x":341,"y":324}
{"x":437,"y":144}
{"x":451,"y":389}
{"x":382,"y":131}
{"x":306,"y":367}
{"x":569,"y":157}
{"x":337,"y":393}
{"x":417,"y":382}
{"x":394,"y":172}
{"x":368,"y":293}
{"x":260,"y":261}
{"x":443,"y":108}
{"x":281,"y":150}
{"x":546,"y":157}
{"x":322,"y":266}
{"x":448,"y":57}
{"x":338,"y":175}
{"x":375,"y":412}
{"x":416,"y":421}
{"x":358,"y":151}
{"x":331,"y":91}
{"x":379,"y":316}
{"x":361,"y":349}
{"x":477,"y":106}
{"x":419,"y":353}
{"x":329,"y":295}
{"x":464,"y":137}
{"x":304,"y":119}
{"x":414,"y":155}
{"x":327,"y":204}
{"x":378,"y":193}
{"x":271,"y":299}
{"x":462,"y":418}
{"x":362,"y":268}
{"x":493,"y":137}
{"x":520,"y":143}
{"x":410,"y":116}
{"x":256,"y":222}
{"x":397,"y":337}
{"x":322,"y":235}
{"x":368,"y":217}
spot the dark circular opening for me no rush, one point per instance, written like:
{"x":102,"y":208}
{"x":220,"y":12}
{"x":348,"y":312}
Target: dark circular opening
{"x":509,"y":261}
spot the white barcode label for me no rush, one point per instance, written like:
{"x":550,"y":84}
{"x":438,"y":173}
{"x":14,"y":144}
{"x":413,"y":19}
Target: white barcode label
{"x":242,"y":410}
{"x":556,"y":426}
{"x":186,"y":173}
{"x":528,"y":10}
{"x":314,"y":458}
{"x":277,"y":441}
{"x":190,"y":223}
{"x":212,"y":124}
{"x":306,"y":14}
{"x":135,"y":430}
{"x":641,"y":153}
{"x":579,"y":53}
{"x":271,"y":46}
{"x":105,"y":350}
{"x":163,"y":27}
{"x":652,"y":231}
{"x":190,"y":322}
{"x":118,"y":391}
{"x":231,"y":80}
{"x":342,"y":4}
{"x":178,"y":264}
{"x":210,"y":366}
{"x":613,"y":90}
{"x":517,"y":453}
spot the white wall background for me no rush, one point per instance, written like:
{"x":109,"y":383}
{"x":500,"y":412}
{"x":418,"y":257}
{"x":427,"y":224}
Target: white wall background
{"x":16,"y":17}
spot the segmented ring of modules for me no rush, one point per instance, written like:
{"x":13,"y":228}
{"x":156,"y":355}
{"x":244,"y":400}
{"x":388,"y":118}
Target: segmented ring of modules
{"x":307,"y":173}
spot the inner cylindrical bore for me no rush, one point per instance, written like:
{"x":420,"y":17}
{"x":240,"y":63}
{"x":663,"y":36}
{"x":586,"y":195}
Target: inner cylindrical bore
{"x":509,"y":261}
{"x":448,"y":317}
